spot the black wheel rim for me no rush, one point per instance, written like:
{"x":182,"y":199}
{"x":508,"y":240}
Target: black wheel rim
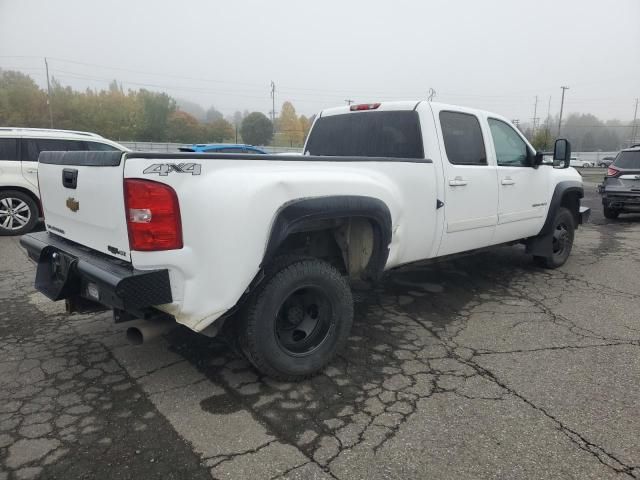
{"x":303,"y":321}
{"x":561,"y":240}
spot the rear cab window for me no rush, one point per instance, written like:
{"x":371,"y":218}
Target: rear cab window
{"x":394,"y":134}
{"x":629,"y":159}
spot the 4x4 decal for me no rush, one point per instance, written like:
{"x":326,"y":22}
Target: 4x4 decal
{"x":164,"y":169}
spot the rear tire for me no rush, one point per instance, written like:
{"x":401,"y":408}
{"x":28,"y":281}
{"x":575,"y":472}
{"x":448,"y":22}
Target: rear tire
{"x":610,"y":213}
{"x":562,"y":240}
{"x":298,"y":318}
{"x":18,"y":213}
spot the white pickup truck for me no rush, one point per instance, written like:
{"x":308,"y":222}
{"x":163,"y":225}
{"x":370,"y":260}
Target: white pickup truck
{"x":269,"y":244}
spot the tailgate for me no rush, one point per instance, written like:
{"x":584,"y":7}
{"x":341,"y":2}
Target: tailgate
{"x":83,"y":200}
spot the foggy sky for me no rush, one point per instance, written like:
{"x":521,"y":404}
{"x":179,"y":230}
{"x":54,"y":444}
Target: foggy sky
{"x":491,"y":54}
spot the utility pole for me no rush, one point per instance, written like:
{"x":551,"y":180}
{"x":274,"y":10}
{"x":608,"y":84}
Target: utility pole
{"x":273,"y":102}
{"x":635,"y":125}
{"x":432,"y":94}
{"x":46,"y":66}
{"x":516,"y":122}
{"x":535,"y":113}
{"x":348,"y":101}
{"x":561,"y":108}
{"x":547,"y":130}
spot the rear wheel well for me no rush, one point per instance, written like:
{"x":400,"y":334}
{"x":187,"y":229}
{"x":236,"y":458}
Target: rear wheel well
{"x":353,"y":245}
{"x":26,"y":191}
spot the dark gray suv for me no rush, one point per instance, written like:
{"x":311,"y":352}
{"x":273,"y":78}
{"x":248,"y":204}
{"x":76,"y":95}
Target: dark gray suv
{"x":621,"y":187}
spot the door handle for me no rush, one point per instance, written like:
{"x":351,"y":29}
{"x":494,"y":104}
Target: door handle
{"x":458,"y":182}
{"x":507,"y":181}
{"x":32,"y":170}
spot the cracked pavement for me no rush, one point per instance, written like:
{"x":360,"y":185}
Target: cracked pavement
{"x":482,"y":367}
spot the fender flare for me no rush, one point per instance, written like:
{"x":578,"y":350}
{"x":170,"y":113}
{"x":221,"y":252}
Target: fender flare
{"x":541,"y":244}
{"x":294,"y":216}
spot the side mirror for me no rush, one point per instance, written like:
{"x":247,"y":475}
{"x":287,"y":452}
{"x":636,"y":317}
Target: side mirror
{"x":562,"y":153}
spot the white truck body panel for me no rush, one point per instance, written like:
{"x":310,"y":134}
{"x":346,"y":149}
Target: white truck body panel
{"x":242,"y":198}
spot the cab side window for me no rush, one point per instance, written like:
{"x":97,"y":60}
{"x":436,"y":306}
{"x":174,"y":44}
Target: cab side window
{"x":463,"y":139}
{"x":8,"y":149}
{"x":511,"y":150}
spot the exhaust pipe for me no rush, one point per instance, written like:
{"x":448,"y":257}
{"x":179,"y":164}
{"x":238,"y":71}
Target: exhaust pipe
{"x":147,"y":330}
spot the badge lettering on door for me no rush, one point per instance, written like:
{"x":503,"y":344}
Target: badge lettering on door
{"x":73,"y":204}
{"x":164,"y":169}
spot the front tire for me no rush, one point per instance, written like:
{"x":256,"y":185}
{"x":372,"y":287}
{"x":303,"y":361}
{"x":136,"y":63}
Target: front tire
{"x":561,"y":240}
{"x":610,"y":213}
{"x":18,"y":213}
{"x":296,"y":321}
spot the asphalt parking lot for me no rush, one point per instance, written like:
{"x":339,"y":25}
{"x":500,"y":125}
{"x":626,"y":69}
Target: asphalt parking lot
{"x":483,"y":367}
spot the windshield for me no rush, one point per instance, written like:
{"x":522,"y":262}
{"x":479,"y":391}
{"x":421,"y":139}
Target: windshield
{"x":628,"y":159}
{"x":367,"y":134}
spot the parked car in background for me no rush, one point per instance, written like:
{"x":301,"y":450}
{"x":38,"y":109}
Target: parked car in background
{"x":621,"y":187}
{"x":577,"y":163}
{"x":222,"y":148}
{"x":19,"y":151}
{"x":606,"y":161}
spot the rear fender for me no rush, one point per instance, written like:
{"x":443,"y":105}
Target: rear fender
{"x":301,"y":215}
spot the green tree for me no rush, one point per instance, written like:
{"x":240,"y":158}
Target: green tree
{"x":22,"y":103}
{"x":156,"y":108}
{"x":256,"y":129}
{"x":183,"y":128}
{"x":542,"y":139}
{"x":218,"y":131}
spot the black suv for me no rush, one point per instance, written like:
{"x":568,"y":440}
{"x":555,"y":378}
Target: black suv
{"x":621,"y":187}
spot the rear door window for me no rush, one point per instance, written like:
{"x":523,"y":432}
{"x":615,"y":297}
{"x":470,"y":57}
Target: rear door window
{"x":367,"y":134}
{"x":463,"y":138}
{"x":8,"y":149}
{"x":33,"y":147}
{"x":628,"y":160}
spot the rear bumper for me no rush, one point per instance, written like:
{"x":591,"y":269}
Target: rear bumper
{"x":68,"y":271}
{"x":621,"y":200}
{"x":583,"y":215}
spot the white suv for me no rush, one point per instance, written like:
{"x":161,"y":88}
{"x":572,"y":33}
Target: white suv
{"x":19,"y":151}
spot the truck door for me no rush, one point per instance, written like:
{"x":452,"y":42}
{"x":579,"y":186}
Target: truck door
{"x":523,"y":191}
{"x":470,"y":181}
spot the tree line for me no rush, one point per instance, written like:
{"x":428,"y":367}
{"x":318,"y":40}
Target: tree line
{"x":140,"y":115}
{"x":586,"y":132}
{"x":143,"y":115}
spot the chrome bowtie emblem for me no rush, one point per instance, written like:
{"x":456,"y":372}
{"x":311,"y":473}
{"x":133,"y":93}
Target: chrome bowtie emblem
{"x":73,"y":204}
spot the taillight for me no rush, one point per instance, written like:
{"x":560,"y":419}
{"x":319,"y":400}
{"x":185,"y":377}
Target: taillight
{"x":153,"y":215}
{"x":612,"y":172}
{"x":364,"y":106}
